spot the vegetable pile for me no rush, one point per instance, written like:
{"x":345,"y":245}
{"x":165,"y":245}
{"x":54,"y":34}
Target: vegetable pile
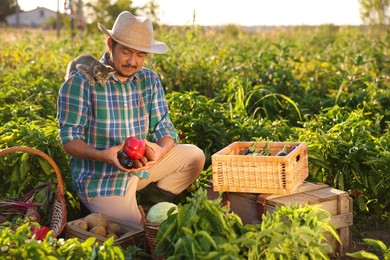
{"x":135,"y":153}
{"x":254,"y":151}
{"x":34,"y":205}
{"x":98,"y":224}
{"x":13,"y":213}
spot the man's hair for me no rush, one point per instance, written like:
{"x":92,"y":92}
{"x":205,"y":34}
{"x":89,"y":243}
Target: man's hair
{"x":114,"y":43}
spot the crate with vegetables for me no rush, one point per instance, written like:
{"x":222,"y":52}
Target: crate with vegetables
{"x":101,"y":227}
{"x":260,"y":167}
{"x":251,"y":207}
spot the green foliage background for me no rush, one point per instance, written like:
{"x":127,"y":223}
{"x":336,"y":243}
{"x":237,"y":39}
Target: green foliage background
{"x":327,"y":86}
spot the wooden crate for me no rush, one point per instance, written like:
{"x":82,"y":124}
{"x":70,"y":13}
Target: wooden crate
{"x":129,"y":236}
{"x":250,"y":207}
{"x":233,"y":171}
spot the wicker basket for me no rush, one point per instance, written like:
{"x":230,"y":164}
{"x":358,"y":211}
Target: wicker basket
{"x":58,"y":216}
{"x":151,"y":230}
{"x":233,"y":171}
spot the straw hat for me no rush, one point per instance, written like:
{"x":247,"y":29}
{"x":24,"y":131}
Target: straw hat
{"x":135,"y":32}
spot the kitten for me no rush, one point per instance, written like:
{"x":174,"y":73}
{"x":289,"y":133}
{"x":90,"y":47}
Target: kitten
{"x":91,"y":68}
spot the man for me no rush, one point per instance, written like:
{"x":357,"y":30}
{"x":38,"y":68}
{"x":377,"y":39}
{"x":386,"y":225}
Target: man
{"x":94,"y":122}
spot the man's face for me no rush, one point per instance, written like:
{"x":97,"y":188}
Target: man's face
{"x":126,"y":61}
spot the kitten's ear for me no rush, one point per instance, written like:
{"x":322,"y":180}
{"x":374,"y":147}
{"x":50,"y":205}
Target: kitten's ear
{"x":109,"y":68}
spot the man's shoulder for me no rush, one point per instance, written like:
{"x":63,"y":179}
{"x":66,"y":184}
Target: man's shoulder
{"x":76,"y":81}
{"x":147,"y":73}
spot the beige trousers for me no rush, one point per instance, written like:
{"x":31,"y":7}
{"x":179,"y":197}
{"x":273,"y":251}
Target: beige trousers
{"x":174,"y":173}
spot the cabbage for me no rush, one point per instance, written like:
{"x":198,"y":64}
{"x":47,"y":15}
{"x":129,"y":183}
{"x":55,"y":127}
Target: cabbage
{"x":159,"y":212}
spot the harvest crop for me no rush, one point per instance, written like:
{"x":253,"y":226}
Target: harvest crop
{"x":159,"y":212}
{"x":98,"y":224}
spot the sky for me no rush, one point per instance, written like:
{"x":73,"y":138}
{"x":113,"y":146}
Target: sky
{"x":242,"y":12}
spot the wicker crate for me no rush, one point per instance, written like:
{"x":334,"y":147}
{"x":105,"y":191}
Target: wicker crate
{"x":129,"y":236}
{"x":233,"y":171}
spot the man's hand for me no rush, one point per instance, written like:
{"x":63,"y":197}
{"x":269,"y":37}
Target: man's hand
{"x":153,"y":153}
{"x":145,"y":162}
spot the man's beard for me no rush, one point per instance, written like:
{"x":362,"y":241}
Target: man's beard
{"x":133,"y":68}
{"x":119,"y":72}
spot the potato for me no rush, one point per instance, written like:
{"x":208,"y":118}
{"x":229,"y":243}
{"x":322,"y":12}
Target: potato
{"x":99,"y":230}
{"x":96,"y":219}
{"x":144,"y":160}
{"x":113,"y":228}
{"x":137,"y":164}
{"x":149,"y":153}
{"x":81,"y":223}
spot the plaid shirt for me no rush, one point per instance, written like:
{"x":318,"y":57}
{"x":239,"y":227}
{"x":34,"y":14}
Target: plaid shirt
{"x":104,"y":117}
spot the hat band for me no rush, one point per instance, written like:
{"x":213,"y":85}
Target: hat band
{"x":133,"y":41}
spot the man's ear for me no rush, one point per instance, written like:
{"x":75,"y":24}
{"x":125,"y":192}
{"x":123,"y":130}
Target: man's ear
{"x":109,"y":43}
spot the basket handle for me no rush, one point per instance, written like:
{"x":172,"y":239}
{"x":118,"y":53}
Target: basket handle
{"x":60,"y":187}
{"x":142,"y":212}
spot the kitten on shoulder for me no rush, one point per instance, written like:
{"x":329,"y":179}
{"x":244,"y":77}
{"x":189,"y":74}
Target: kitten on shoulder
{"x":93,"y":69}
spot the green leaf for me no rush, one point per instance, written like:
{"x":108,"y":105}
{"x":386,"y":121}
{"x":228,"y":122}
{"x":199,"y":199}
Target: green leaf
{"x":376,"y":243}
{"x":24,"y":165}
{"x":362,"y":204}
{"x":109,"y":242}
{"x":90,"y":241}
{"x":363,"y":255}
{"x":45,"y":165}
{"x":15,"y":176}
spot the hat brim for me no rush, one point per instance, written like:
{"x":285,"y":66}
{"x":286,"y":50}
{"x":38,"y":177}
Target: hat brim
{"x":156,"y":47}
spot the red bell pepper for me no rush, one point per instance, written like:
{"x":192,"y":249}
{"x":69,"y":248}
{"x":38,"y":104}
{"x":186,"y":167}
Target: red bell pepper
{"x":40,"y":233}
{"x":134,"y":148}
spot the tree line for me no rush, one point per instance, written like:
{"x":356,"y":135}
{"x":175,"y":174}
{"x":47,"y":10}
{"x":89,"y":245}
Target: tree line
{"x":372,"y":12}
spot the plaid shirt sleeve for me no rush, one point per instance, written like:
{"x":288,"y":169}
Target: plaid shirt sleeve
{"x":72,"y":113}
{"x":160,"y":122}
